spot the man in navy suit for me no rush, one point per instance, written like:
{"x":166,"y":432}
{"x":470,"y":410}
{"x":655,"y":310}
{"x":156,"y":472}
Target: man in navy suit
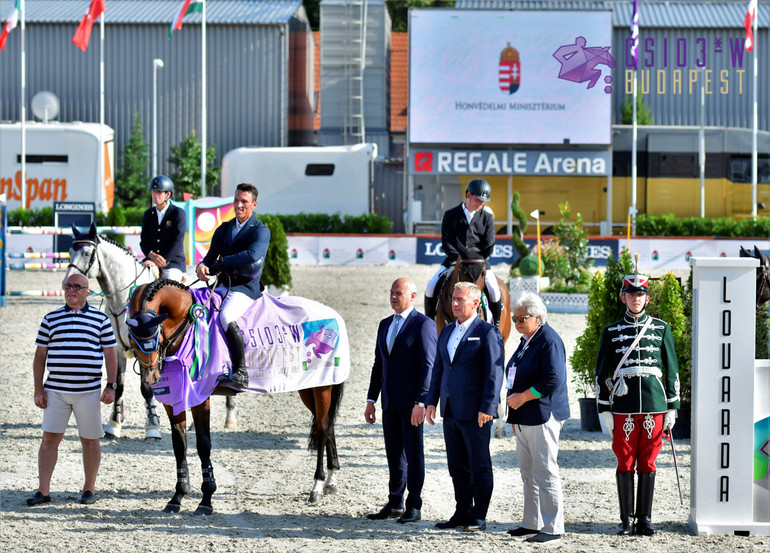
{"x":403,"y":360}
{"x":237,"y":254}
{"x":467,"y":377}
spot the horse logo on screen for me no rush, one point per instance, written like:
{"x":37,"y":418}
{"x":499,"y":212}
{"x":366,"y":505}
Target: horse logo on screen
{"x":510,"y":70}
{"x":321,"y":341}
{"x":578,"y":63}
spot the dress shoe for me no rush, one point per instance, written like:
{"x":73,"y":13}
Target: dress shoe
{"x":88,"y":498}
{"x":38,"y":499}
{"x":456,"y":521}
{"x":410,"y":515}
{"x":541,"y":537}
{"x":521,"y":532}
{"x":476,"y":526}
{"x":385,"y":512}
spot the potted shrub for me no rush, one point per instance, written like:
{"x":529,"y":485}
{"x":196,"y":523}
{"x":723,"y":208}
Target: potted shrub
{"x":276,"y":275}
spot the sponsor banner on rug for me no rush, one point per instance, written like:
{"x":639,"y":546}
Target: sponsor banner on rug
{"x":291,"y":344}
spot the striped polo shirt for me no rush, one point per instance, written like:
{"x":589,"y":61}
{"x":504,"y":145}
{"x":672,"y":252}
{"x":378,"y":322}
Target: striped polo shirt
{"x":75,"y":341}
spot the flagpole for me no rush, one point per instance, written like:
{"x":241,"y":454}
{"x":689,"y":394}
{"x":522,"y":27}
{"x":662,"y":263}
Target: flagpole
{"x":635,"y":56}
{"x":23,"y":183}
{"x":101,"y":104}
{"x":203,"y":102}
{"x":755,"y":123}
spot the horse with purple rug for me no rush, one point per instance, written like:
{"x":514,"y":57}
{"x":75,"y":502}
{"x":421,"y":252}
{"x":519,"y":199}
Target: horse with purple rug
{"x":291,"y":343}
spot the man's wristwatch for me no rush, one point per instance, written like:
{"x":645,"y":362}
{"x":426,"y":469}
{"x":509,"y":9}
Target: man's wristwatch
{"x":112,"y":385}
{"x":420,"y":404}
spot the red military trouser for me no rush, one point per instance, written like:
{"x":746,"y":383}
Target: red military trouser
{"x":636,"y":440}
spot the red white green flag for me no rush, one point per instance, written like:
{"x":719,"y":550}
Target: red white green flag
{"x":187,"y":7}
{"x":10,"y":24}
{"x":82,"y":35}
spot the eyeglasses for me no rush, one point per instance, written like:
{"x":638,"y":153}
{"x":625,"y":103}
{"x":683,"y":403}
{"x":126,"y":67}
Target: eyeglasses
{"x":517,"y":319}
{"x":75,"y":287}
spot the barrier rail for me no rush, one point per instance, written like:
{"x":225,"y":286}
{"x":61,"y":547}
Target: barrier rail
{"x":39,"y":255}
{"x":68,"y":230}
{"x":37,"y":266}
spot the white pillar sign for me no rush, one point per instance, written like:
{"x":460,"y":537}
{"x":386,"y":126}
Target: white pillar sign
{"x":729,"y":481}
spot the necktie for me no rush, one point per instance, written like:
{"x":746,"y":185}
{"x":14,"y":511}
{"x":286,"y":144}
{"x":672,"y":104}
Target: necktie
{"x":393,"y":331}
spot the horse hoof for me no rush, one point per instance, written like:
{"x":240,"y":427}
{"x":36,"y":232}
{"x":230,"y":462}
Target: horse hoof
{"x":314,"y":498}
{"x":330,"y":489}
{"x":111,"y":430}
{"x":231,"y":424}
{"x":152,"y":435}
{"x":172,"y":508}
{"x":204,"y":510}
{"x":500,"y":433}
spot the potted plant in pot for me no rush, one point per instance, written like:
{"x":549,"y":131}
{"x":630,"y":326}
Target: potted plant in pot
{"x":604,"y":307}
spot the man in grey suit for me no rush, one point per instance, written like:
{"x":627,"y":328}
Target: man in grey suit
{"x":467,"y":377}
{"x":403,"y":360}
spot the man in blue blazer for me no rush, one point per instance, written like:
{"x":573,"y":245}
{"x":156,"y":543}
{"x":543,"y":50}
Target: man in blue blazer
{"x":237,"y":254}
{"x":163,"y":229}
{"x":467,"y":377}
{"x":403,"y":360}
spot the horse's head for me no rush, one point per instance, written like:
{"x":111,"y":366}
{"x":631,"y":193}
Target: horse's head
{"x":84,"y":254}
{"x":472,"y":269}
{"x":144,"y":335}
{"x":763,"y":274}
{"x":156,"y":319}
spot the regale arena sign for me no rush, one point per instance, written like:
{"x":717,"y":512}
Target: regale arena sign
{"x":510,"y":162}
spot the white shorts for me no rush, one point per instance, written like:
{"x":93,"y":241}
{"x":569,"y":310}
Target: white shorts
{"x":87,"y":408}
{"x":490,"y":280}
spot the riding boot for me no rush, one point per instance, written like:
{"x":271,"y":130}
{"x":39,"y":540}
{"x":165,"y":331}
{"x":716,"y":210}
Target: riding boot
{"x":625,"y":481}
{"x":496,"y":307}
{"x":430,"y":307}
{"x":644,"y":504}
{"x":239,"y":376}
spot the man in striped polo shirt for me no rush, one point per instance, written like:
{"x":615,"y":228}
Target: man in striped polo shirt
{"x":73,"y":342}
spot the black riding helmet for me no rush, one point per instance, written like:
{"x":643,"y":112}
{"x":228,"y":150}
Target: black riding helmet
{"x":480,"y":188}
{"x":161,"y":183}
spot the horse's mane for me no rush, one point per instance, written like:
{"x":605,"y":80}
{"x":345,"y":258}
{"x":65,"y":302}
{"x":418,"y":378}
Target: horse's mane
{"x":120,"y":246}
{"x":154,"y":286}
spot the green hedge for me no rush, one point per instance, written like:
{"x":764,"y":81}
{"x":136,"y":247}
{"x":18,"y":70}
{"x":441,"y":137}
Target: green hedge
{"x":277,"y":269}
{"x":671,"y":225}
{"x":302,"y":223}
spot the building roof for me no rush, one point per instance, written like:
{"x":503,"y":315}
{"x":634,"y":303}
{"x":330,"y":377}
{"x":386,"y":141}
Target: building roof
{"x":220,"y":12}
{"x":672,"y":13}
{"x":399,"y":80}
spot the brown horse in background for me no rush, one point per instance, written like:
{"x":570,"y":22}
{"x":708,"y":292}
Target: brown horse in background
{"x":471,"y":270}
{"x":158,"y":317}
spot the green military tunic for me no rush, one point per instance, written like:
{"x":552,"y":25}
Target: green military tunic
{"x":648,"y":380}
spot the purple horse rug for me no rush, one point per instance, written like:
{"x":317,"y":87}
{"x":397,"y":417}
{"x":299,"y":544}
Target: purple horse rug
{"x":291,"y":343}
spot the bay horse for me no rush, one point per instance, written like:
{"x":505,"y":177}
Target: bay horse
{"x":160,"y":318}
{"x":474,"y":270}
{"x":117,"y":270}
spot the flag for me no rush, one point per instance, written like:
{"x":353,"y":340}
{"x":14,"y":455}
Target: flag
{"x":635,"y":35}
{"x":83,"y":32}
{"x":188,"y":6}
{"x":748,"y":22}
{"x":10,"y":25}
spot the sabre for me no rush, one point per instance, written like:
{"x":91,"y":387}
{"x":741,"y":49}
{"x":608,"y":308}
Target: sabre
{"x":676,"y":466}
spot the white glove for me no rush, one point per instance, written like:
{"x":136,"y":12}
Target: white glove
{"x":609,"y":421}
{"x":669,"y":419}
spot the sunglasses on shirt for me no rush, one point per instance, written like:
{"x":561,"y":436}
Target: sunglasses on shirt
{"x":517,"y":319}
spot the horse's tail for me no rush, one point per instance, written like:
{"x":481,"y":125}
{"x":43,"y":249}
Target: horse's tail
{"x":318,"y":433}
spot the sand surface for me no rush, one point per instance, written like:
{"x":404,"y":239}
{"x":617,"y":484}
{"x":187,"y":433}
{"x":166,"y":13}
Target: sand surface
{"x":264,"y":472}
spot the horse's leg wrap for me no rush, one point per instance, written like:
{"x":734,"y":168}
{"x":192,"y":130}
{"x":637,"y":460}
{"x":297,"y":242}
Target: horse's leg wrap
{"x":152,"y":423}
{"x":208,"y":487}
{"x":115,"y":424}
{"x":317,"y":493}
{"x":182,"y":488}
{"x":231,"y":421}
{"x":330,"y":486}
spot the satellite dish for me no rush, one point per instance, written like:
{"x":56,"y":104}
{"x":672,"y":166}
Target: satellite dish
{"x":45,"y":105}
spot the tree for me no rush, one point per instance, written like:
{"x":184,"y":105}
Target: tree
{"x":399,"y":10}
{"x":131,"y":177}
{"x":643,"y":115}
{"x":187,"y":159}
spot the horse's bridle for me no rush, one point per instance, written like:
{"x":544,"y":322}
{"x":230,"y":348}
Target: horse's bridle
{"x":93,"y":258}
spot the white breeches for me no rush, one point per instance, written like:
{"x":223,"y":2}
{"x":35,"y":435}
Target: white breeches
{"x":235,"y":305}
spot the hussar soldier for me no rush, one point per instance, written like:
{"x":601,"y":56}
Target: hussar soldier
{"x":637,"y":389}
